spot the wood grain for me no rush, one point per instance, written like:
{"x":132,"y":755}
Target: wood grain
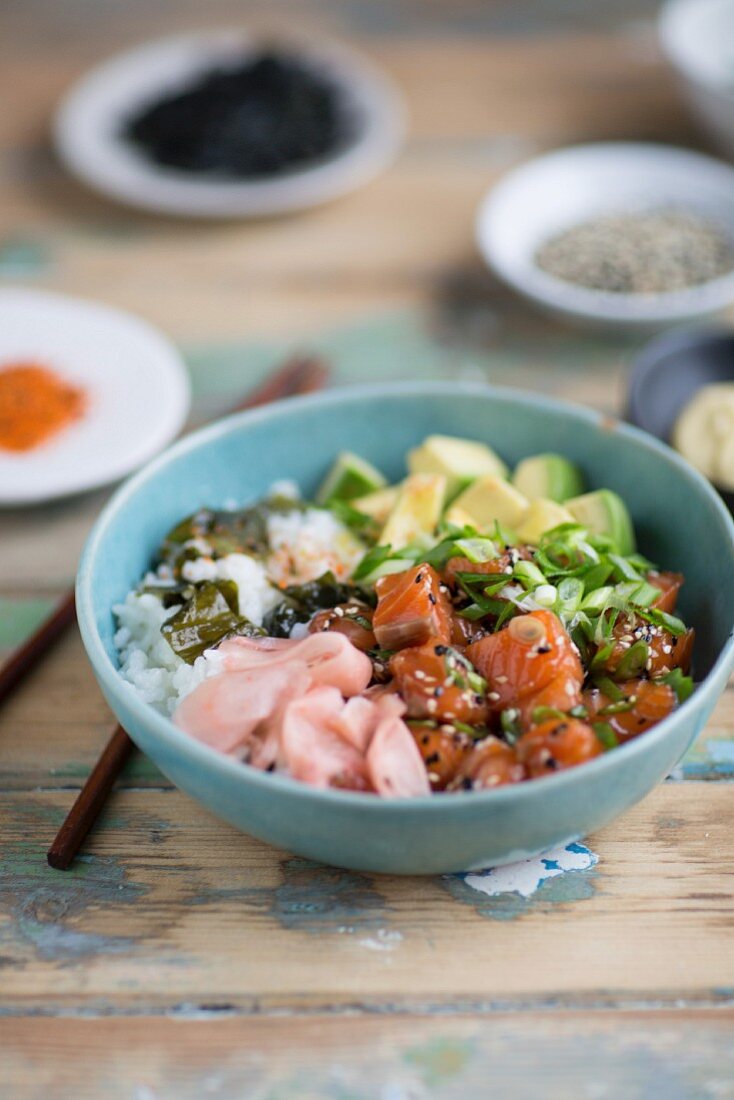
{"x":688,"y":1055}
{"x":171,"y":907}
{"x":182,"y":932}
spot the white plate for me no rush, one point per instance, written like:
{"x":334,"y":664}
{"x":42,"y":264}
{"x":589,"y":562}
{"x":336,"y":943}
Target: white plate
{"x":137,"y":387}
{"x":556,"y":191}
{"x":87,"y":130}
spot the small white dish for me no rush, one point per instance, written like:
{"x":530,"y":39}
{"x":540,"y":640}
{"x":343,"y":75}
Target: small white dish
{"x":557,"y":191}
{"x":697,"y":37}
{"x":88,"y":122}
{"x":135,"y":382}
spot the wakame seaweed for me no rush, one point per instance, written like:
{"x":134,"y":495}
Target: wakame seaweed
{"x":302,"y":601}
{"x":239,"y":531}
{"x":208,"y":616}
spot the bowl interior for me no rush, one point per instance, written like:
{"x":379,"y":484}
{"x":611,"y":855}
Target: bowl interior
{"x":675,"y":512}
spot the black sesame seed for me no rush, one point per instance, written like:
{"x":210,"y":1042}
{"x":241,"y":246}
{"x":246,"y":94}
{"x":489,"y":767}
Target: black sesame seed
{"x":431,"y":598}
{"x":433,"y":758}
{"x":440,"y":650}
{"x":551,"y":763}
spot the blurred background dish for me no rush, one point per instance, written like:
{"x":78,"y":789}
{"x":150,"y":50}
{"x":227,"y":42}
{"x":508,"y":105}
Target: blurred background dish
{"x":670,"y":372}
{"x":96,"y":141}
{"x":675,"y":203}
{"x":697,"y":37}
{"x":112,"y":389}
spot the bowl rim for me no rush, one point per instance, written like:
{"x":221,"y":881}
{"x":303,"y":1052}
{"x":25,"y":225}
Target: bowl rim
{"x":669,"y":20}
{"x":585,"y":303}
{"x":174,"y":738}
{"x":85,"y":147}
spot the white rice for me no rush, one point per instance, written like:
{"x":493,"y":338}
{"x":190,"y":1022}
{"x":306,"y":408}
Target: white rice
{"x":304,"y":545}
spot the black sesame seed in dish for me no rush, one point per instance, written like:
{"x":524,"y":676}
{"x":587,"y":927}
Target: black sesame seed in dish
{"x":257,"y":117}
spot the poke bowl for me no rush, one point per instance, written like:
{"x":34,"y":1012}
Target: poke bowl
{"x":680,"y":525}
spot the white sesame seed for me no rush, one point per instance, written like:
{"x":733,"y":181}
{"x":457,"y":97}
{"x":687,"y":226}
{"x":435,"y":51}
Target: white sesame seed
{"x":339,"y":611}
{"x":420,"y":674}
{"x":501,"y":679}
{"x":493,"y":696}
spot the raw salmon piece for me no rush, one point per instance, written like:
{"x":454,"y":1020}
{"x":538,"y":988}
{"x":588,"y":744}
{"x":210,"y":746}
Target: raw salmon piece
{"x":666,"y":651}
{"x":411,"y":608}
{"x":394,"y":764}
{"x":226,"y":710}
{"x":669,"y":585}
{"x":331,"y":658}
{"x":524,"y":658}
{"x":433,"y":679}
{"x":352,"y":620}
{"x":491,"y":763}
{"x":312,"y":751}
{"x":443,"y":749}
{"x":504,"y":563}
{"x":653,"y":702}
{"x":556,"y":744}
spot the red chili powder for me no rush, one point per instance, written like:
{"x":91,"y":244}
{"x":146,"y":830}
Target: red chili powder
{"x":35,"y":404}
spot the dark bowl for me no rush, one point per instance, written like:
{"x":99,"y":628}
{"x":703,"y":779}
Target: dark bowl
{"x":669,"y":371}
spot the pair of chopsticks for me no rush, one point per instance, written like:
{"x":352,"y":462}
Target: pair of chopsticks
{"x":300,"y":375}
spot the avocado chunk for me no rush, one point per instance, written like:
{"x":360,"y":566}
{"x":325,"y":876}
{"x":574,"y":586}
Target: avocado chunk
{"x":549,"y":476}
{"x":379,"y":504}
{"x":416,"y":511}
{"x":541,"y":516}
{"x":603,"y":512}
{"x":349,"y":477}
{"x":490,"y":499}
{"x":459,"y":460}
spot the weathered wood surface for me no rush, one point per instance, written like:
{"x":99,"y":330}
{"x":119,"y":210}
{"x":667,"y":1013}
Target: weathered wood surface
{"x":171,"y":908}
{"x":638,"y":1056}
{"x":180,"y":932}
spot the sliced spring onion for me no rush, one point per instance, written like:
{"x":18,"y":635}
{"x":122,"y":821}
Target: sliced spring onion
{"x":606,"y":735}
{"x":476,"y":549}
{"x":681,"y":684}
{"x":671,"y":623}
{"x":546,"y":595}
{"x":633,"y":661}
{"x":570,"y":595}
{"x":528,"y":574}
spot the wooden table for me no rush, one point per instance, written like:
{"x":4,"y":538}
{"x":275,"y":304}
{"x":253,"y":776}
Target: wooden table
{"x":179,"y":958}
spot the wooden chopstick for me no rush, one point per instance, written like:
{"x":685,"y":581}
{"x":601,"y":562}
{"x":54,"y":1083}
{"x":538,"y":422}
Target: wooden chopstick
{"x":25,"y":658}
{"x":298,"y":376}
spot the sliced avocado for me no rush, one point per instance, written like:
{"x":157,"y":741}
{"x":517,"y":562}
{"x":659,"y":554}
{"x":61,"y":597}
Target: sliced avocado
{"x":416,"y":511}
{"x":459,"y":460}
{"x":549,"y":476}
{"x":603,"y":512}
{"x":541,"y":516}
{"x":490,"y":499}
{"x":379,"y":504}
{"x":349,"y":477}
{"x":459,"y":517}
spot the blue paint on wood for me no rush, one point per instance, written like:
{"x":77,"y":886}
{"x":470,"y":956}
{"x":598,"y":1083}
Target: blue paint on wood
{"x":44,"y":906}
{"x":316,"y":898}
{"x":559,"y":877}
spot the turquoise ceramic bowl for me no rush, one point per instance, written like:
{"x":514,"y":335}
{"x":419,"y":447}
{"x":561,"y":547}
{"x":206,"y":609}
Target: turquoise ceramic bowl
{"x":681,"y":524}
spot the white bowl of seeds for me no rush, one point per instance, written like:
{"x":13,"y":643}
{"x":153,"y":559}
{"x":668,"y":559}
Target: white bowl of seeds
{"x":627,"y":235}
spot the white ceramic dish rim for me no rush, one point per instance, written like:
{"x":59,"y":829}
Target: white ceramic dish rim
{"x":109,"y":164}
{"x":210,"y":758}
{"x":584,"y":303}
{"x":670,"y":29}
{"x":179,"y":393}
